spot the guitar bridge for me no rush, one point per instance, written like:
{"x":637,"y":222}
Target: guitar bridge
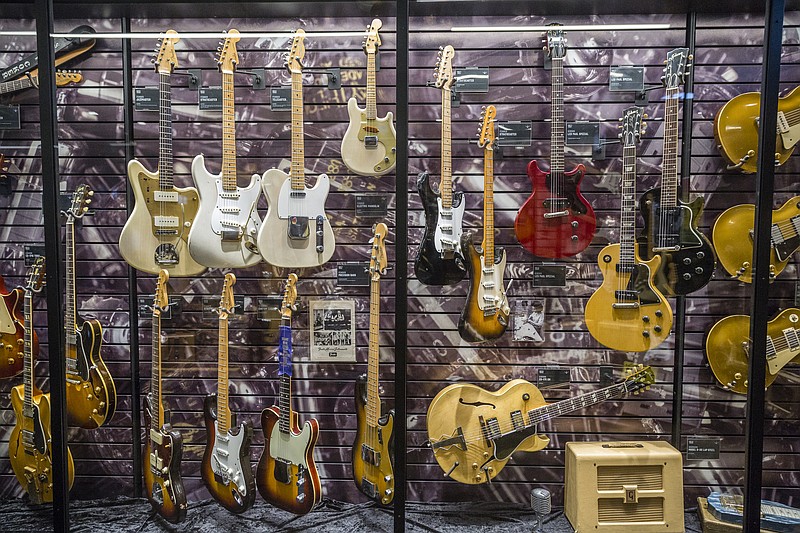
{"x":283,"y":471}
{"x":658,"y":249}
{"x":368,"y":488}
{"x":298,"y":228}
{"x":231,"y":234}
{"x":166,"y":255}
{"x":370,"y":142}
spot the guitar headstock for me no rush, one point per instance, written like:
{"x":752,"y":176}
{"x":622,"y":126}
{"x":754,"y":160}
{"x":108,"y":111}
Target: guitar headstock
{"x":64,"y":77}
{"x":632,"y":126}
{"x":227,"y":301}
{"x":81,"y":199}
{"x":289,"y":296}
{"x":372,"y":40}
{"x":443,"y":71}
{"x":486,"y":129}
{"x":638,"y":378}
{"x":166,"y":59}
{"x":161,"y":299}
{"x":377,"y":259}
{"x":555,"y":42}
{"x":676,"y":68}
{"x":35,"y":279}
{"x":227,"y":56}
{"x":297,"y":52}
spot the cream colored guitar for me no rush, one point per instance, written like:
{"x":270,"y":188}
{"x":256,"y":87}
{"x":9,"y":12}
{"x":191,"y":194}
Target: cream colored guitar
{"x":369,"y":144}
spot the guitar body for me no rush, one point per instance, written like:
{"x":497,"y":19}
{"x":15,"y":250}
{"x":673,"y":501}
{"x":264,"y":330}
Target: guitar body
{"x":736,"y":130}
{"x":429,"y":265}
{"x":458,"y":410}
{"x":628,"y":329}
{"x":688,"y":269}
{"x":375,"y":481}
{"x":206,"y":242}
{"x":91,"y":393}
{"x":560,"y":236}
{"x":163,"y":485}
{"x":474,"y":324}
{"x":12,"y":334}
{"x":274,"y":241}
{"x":139,"y":242}
{"x":226,"y":468}
{"x":35,"y":471}
{"x":369,"y":161}
{"x":286,"y":475}
{"x":733,"y":239}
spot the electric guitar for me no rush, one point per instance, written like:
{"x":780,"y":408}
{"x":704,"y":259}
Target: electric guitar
{"x":733,"y":236}
{"x":91,"y":393}
{"x":373,"y":448}
{"x":473,"y":432}
{"x":287,"y":476}
{"x":485,"y":315}
{"x":296,"y":232}
{"x":736,"y":129}
{"x":29,"y":447}
{"x":628,"y":312}
{"x":226,"y":469}
{"x":670,"y":225}
{"x":163,"y":446}
{"x":438,"y":261}
{"x":155,"y":236}
{"x":369,"y":144}
{"x":556,"y":220}
{"x":12,"y":329}
{"x":728,"y":348}
{"x":63,"y":77}
{"x":224,"y":234}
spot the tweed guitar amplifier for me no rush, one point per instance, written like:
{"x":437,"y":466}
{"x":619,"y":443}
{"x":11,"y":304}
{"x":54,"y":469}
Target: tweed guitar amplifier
{"x":621,"y":487}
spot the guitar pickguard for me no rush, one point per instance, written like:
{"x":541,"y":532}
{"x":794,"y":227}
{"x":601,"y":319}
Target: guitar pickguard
{"x":491,"y":293}
{"x":225,"y":459}
{"x":448,"y":232}
{"x":639,"y":282}
{"x":308,"y":203}
{"x":290,"y":448}
{"x":232,"y":217}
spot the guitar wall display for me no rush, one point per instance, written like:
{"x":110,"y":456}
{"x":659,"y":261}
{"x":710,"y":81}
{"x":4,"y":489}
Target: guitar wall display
{"x":369,"y":144}
{"x":556,"y":221}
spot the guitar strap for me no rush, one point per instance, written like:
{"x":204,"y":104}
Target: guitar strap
{"x":62,"y":45}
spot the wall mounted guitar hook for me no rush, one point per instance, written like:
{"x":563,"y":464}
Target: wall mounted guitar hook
{"x":334,"y":75}
{"x":195,"y":77}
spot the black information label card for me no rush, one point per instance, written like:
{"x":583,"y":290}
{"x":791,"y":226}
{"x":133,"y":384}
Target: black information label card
{"x":514,"y":133}
{"x":210,"y":98}
{"x":280,"y":98}
{"x":352,"y":274}
{"x":549,"y":275}
{"x":626,"y":79}
{"x":145,"y":98}
{"x":371,"y":205}
{"x":9,"y":117}
{"x":211,"y":304}
{"x":797,"y":293}
{"x":472,"y":80}
{"x":551,"y":377}
{"x":702,"y":448}
{"x":32,"y":251}
{"x":586,"y":133}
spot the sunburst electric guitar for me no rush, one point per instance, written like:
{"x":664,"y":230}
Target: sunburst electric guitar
{"x":733,"y":236}
{"x":373,"y":448}
{"x":369,"y":144}
{"x":163,"y":446}
{"x":91,"y":393}
{"x":628,"y":312}
{"x":296,"y":232}
{"x":438,"y":260}
{"x":485,"y":315}
{"x":156,"y":234}
{"x":226,"y":469}
{"x":287,"y":475}
{"x":670,"y":224}
{"x":30,"y":445}
{"x":556,"y":221}
{"x":473,"y":432}
{"x":224,"y":234}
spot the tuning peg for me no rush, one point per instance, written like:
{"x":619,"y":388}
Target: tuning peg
{"x":690,"y":57}
{"x":645,"y":116}
{"x":441,"y":48}
{"x":619,"y":135}
{"x":153,"y":61}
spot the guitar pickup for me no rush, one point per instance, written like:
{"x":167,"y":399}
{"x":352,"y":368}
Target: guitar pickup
{"x":156,"y":437}
{"x":161,"y":221}
{"x":156,"y":463}
{"x":165,"y":196}
{"x":232,"y":210}
{"x":298,"y":228}
{"x":556,"y":214}
{"x":370,"y":456}
{"x":283,"y":471}
{"x":626,"y":268}
{"x":371,"y":142}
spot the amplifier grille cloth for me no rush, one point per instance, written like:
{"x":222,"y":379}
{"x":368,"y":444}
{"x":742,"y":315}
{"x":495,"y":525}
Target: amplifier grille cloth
{"x":648,"y":477}
{"x":615,"y":510}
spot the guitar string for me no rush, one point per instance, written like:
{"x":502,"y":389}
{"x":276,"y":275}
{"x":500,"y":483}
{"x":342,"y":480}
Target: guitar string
{"x":556,"y":118}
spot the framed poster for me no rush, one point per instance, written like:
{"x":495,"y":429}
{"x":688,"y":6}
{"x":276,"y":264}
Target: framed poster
{"x":333,"y":330}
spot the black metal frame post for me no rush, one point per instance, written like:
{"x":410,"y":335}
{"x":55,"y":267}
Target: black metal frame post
{"x":133,"y":293}
{"x":55,"y":268}
{"x":401,"y":264}
{"x":754,"y":431}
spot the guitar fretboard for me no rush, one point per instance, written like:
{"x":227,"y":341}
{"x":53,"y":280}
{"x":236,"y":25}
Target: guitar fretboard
{"x":488,"y":205}
{"x":27,"y":409}
{"x":223,"y":412}
{"x":228,"y":134}
{"x":789,"y":340}
{"x":553,"y":410}
{"x":17,"y":85}
{"x":285,"y":374}
{"x":373,"y":363}
{"x":155,"y":377}
{"x":165,"y":181}
{"x":557,"y":118}
{"x":70,"y":309}
{"x":446,"y":183}
{"x":627,"y":231}
{"x":372,"y":108}
{"x":298,"y":174}
{"x":669,"y":169}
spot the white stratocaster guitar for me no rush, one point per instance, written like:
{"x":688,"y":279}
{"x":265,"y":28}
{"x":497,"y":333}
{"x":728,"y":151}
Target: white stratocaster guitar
{"x":225,"y":231}
{"x":369,"y":144}
{"x":296,"y":232}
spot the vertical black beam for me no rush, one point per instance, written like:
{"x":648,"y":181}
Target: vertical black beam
{"x":401,"y":263}
{"x":54,"y":258}
{"x":754,"y":432}
{"x":680,"y":301}
{"x":133,"y":294}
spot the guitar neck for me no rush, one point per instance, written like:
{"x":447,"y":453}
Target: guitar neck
{"x":155,"y":379}
{"x":627,"y":231}
{"x":298,"y":150}
{"x":373,"y":362}
{"x":557,"y":117}
{"x":570,"y":405}
{"x":446,"y":183}
{"x":70,"y":309}
{"x":228,"y":134}
{"x":17,"y":85}
{"x":372,"y":99}
{"x":165,"y":181}
{"x":223,"y":410}
{"x":669,"y":169}
{"x":285,"y":374}
{"x":488,"y":206}
{"x":28,"y":381}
